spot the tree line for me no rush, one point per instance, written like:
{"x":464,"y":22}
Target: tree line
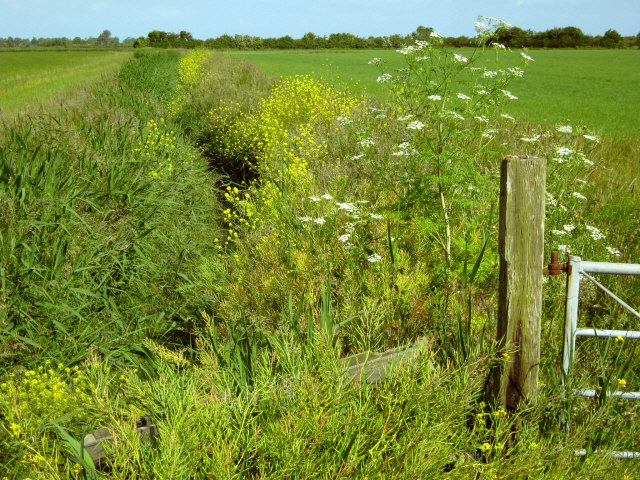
{"x":513,"y":37}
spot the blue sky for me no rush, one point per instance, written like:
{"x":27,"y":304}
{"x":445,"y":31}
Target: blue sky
{"x":275,"y":18}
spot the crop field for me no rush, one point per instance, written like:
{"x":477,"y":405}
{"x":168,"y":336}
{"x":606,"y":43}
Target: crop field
{"x":31,"y":77}
{"x":197,"y":249}
{"x":598,"y":88}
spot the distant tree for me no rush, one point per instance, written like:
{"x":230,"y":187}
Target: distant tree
{"x":638,"y":40}
{"x":141,"y":42}
{"x":158,"y":38}
{"x":611,"y":39}
{"x":285,"y":43}
{"x":104,"y":38}
{"x":421,"y":33}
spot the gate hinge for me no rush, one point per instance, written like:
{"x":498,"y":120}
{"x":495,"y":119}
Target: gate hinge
{"x":555,"y":268}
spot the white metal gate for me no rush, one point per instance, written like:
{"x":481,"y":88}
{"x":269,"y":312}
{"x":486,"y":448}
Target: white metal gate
{"x":577,"y":268}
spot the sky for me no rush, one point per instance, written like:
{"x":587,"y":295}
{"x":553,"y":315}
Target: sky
{"x":276,"y":18}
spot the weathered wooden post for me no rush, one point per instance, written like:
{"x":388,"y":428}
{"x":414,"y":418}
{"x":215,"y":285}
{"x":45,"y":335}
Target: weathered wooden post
{"x":521,"y":248}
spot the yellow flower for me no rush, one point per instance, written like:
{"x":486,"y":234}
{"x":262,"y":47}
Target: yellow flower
{"x":619,"y":338}
{"x":622,"y":383}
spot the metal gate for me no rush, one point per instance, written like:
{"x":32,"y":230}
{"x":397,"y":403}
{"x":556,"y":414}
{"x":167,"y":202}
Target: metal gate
{"x":576,"y":268}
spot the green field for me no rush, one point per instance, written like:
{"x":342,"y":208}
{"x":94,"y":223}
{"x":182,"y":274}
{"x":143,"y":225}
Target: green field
{"x":31,"y":77}
{"x":599,"y":88}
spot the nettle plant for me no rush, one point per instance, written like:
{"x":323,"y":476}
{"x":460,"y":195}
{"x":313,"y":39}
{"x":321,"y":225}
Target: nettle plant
{"x":451,"y":107}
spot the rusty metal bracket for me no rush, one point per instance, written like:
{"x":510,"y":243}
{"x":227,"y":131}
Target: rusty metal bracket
{"x":555,"y":268}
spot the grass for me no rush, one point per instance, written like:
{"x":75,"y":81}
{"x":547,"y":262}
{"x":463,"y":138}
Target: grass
{"x":212,"y":259}
{"x":592,"y":87}
{"x":31,"y":77}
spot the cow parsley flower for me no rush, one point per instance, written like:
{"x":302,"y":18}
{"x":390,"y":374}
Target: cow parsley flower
{"x":565,"y":249}
{"x":565,"y":129}
{"x":527,"y":57}
{"x":462,"y":96}
{"x":558,"y":232}
{"x":460,"y":58}
{"x":481,"y":118}
{"x":374,"y":258}
{"x":499,"y":45}
{"x":509,"y":95}
{"x":405,"y":118}
{"x":375,"y":61}
{"x":595,"y":233}
{"x":367,"y":142}
{"x":569,"y":228}
{"x":319,"y":221}
{"x":375,"y":216}
{"x":416,"y":125}
{"x":385,"y":77}
{"x":434,"y":97}
{"x":489,"y":74}
{"x":326,"y":196}
{"x":344,"y":237}
{"x":613,"y":251}
{"x":305,"y":219}
{"x":455,"y":115}
{"x":591,"y":138}
{"x":357,"y":157}
{"x":531,"y":139}
{"x":435,"y":35}
{"x":508,"y":117}
{"x":579,"y":195}
{"x":313,"y":199}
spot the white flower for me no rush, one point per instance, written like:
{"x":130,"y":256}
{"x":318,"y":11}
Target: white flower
{"x":569,"y":228}
{"x":305,"y":219}
{"x":489,"y":74}
{"x":587,"y":161}
{"x":357,"y":157}
{"x":385,"y":77}
{"x":404,"y":145}
{"x":362,"y":201}
{"x":565,"y":249}
{"x":558,"y":232}
{"x":375,"y":61}
{"x":381,"y":115}
{"x":343,"y":120}
{"x":319,"y":221}
{"x":375,"y":216}
{"x":344,"y":238}
{"x":374,"y":258}
{"x":455,"y":115}
{"x":422,"y":59}
{"x":367,"y":142}
{"x":564,"y":151}
{"x":350,"y":227}
{"x":416,"y":125}
{"x":508,"y":117}
{"x":592,"y":138}
{"x":509,"y":95}
{"x":460,"y":58}
{"x":407,"y":50}
{"x":579,"y":195}
{"x":326,"y":196}
{"x":421,"y":44}
{"x":565,"y":129}
{"x":531,"y":139}
{"x":405,"y":118}
{"x":480,"y":27}
{"x":613,"y":251}
{"x":347,"y":206}
{"x":482,"y":91}
{"x":499,"y":45}
{"x":551,"y":200}
{"x":462,"y":96}
{"x":579,"y":180}
{"x":482,"y":119}
{"x":516,"y":72}
{"x":595,"y":233}
{"x":527,"y":57}
{"x":489,"y":133}
{"x":435,"y":35}
{"x":434,"y":97}
{"x":313,"y":199}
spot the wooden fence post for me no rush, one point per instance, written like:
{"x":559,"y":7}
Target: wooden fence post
{"x":521,"y":248}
